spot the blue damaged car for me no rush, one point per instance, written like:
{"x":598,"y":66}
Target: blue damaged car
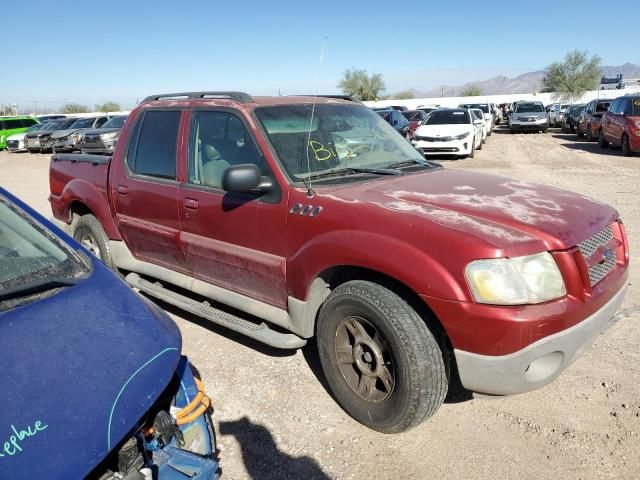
{"x":94,"y":383}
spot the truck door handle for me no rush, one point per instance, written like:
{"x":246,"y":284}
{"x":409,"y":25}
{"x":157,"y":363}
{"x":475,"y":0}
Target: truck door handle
{"x":191,"y":203}
{"x":122,"y":190}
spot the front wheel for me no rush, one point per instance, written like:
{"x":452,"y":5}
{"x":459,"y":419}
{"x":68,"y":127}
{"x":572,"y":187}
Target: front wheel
{"x":382,"y":363}
{"x":601,"y":140}
{"x":589,"y":134}
{"x":626,"y":148}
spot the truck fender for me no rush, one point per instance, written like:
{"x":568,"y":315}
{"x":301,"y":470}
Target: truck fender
{"x":95,"y":199}
{"x":389,"y":256}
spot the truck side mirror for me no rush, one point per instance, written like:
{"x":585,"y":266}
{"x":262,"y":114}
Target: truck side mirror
{"x":245,"y":178}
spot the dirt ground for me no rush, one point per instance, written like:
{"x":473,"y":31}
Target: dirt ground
{"x":276,"y":420}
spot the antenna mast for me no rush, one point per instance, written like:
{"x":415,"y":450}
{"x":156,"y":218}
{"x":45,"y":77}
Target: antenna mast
{"x":313,"y":110}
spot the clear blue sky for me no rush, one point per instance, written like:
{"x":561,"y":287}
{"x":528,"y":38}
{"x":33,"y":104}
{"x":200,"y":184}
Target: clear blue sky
{"x":88,"y":51}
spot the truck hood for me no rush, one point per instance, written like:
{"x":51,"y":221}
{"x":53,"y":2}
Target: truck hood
{"x":82,"y":367}
{"x":16,"y":136}
{"x":64,"y":133}
{"x":101,"y":131}
{"x":443,"y":130}
{"x":501,"y":210}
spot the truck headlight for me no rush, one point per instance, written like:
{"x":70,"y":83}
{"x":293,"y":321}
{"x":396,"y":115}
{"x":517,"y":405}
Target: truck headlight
{"x":515,"y":281}
{"x":110,"y":136}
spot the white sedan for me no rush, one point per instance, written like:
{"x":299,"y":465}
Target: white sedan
{"x":449,"y":131}
{"x":15,"y":142}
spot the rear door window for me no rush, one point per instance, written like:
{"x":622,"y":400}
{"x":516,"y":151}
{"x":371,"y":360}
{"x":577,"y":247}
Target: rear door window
{"x":11,"y":124}
{"x":153,"y":153}
{"x":219,"y":140}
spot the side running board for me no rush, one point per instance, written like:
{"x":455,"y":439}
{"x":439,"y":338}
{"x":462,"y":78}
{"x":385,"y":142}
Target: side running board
{"x":258,"y":331}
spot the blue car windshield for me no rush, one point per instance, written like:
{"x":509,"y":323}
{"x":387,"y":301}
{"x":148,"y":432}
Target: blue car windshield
{"x":29,"y":253}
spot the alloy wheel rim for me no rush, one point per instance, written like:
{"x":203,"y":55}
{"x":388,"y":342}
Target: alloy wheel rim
{"x":88,"y":242}
{"x":364,"y":359}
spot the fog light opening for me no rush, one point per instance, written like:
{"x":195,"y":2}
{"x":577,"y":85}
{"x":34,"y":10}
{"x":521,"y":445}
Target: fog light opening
{"x":544,"y":367}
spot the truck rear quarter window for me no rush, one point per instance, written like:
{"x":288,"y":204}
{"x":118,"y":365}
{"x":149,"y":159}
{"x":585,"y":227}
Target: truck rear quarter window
{"x":153,"y":152}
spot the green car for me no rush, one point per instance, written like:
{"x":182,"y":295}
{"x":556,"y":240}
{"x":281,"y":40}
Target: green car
{"x":11,"y":125}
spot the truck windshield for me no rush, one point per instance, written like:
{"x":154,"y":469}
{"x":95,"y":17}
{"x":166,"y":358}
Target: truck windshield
{"x":115,"y":122}
{"x":529,"y":107}
{"x":83,"y":123}
{"x":29,"y":254}
{"x":448,"y":117}
{"x":340,"y":136}
{"x":482,"y":106}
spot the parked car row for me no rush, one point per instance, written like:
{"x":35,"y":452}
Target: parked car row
{"x":452,"y":132}
{"x":97,"y":134}
{"x":610,"y":122}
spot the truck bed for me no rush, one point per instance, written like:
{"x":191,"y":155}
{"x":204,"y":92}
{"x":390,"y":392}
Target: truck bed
{"x":77,"y":177}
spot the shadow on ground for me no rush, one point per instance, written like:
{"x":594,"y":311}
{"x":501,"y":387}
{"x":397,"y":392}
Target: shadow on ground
{"x":262,"y":458}
{"x":576,"y":143}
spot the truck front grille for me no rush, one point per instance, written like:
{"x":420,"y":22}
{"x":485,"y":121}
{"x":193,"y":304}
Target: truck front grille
{"x":590,"y":246}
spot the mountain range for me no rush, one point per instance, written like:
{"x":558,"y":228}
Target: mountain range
{"x":525,"y":83}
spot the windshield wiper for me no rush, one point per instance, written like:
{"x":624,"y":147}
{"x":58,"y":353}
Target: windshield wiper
{"x":36,"y":286}
{"x":425,"y":163}
{"x":375,"y":171}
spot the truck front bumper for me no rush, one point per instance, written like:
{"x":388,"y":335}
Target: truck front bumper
{"x":539,"y":363}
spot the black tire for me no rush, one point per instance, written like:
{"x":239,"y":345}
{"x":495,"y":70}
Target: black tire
{"x":588,"y":136}
{"x":544,"y":130}
{"x":416,"y":377}
{"x":579,"y":133}
{"x":626,"y":148}
{"x":480,"y":146}
{"x":601,"y":141}
{"x":90,"y":234}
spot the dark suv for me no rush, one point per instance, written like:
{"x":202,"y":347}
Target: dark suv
{"x":396,"y":119}
{"x":621,"y":125}
{"x":589,"y":120}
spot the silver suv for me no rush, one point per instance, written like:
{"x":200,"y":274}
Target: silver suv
{"x":528,"y":116}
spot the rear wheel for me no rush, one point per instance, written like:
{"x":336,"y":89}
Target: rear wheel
{"x":90,"y":234}
{"x":626,"y":148}
{"x":601,"y":141}
{"x":382,"y":363}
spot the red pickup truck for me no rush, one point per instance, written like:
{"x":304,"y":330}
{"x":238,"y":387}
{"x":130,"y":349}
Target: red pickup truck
{"x":287,"y":218}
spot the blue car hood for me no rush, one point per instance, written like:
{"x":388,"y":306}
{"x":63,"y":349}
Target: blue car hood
{"x":81,"y":368}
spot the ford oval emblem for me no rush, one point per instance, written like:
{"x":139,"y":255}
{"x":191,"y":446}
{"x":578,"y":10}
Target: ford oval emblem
{"x":608,"y":254}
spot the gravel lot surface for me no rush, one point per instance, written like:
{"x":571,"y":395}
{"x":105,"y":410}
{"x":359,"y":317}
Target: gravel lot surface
{"x":275,"y":419}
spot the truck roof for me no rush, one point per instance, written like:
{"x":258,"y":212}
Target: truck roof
{"x":214,"y":98}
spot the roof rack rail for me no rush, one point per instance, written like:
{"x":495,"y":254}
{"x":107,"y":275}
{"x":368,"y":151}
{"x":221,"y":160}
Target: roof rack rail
{"x":339,"y":97}
{"x":237,"y":96}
